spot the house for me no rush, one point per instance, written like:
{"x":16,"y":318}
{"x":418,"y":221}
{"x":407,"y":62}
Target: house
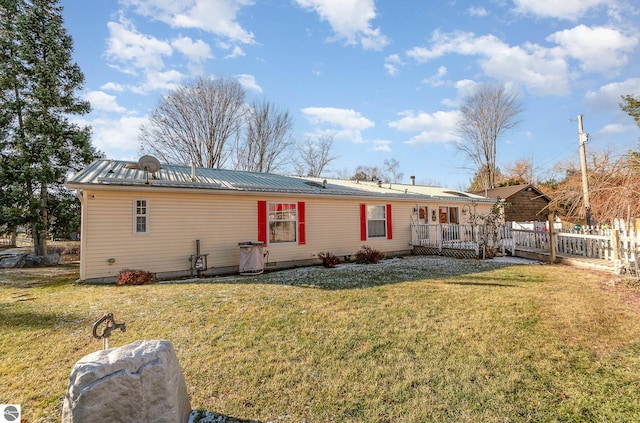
{"x":158,"y":218}
{"x":527,"y":203}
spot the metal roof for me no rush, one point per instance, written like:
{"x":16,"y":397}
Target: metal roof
{"x":406,"y":189}
{"x":121,"y":173}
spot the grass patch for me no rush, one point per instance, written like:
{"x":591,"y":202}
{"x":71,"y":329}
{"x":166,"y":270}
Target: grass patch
{"x":420,"y":339}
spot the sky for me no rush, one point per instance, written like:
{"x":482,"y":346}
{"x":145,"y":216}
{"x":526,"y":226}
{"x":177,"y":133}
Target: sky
{"x":385,"y":78}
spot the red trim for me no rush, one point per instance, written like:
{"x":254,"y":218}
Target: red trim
{"x":363,"y":222}
{"x":262,"y":221}
{"x":302,"y":235}
{"x":389,"y":231}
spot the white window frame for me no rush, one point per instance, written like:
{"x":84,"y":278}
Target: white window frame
{"x":270,"y":220}
{"x":383,"y":220}
{"x":144,"y":215}
{"x":427,"y":218}
{"x":449,"y":210}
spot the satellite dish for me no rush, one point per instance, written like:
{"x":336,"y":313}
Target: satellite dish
{"x":149,"y":164}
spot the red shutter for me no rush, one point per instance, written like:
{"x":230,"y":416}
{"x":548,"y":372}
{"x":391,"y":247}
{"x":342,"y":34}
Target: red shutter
{"x":363,"y":222}
{"x":262,"y":221}
{"x":302,"y":235}
{"x":389,"y":231}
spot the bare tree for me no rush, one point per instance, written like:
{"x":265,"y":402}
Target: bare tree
{"x":193,"y":123}
{"x":614,"y":185}
{"x":485,"y":116}
{"x":314,"y":156}
{"x":392,"y":168}
{"x":267,"y":140}
{"x":369,"y":173}
{"x":520,"y":172}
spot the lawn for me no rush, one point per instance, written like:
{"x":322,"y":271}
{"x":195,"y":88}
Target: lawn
{"x":411,"y":340}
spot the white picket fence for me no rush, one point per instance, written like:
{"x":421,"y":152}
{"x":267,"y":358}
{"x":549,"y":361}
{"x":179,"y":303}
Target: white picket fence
{"x":620,"y":246}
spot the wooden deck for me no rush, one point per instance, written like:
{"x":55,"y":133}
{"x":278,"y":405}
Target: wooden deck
{"x":615,"y":251}
{"x":568,"y":259}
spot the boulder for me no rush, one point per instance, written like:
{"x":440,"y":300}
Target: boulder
{"x":31,"y":260}
{"x":52,"y":259}
{"x":19,"y":260}
{"x":139,"y":382}
{"x":9,"y":260}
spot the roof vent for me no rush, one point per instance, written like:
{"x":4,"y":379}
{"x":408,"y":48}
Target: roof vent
{"x":314,"y":184}
{"x":456,"y":193}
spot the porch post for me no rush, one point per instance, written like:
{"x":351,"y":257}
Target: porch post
{"x":615,"y":241}
{"x":552,"y":238}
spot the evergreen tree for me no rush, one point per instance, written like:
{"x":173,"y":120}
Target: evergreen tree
{"x":40,"y":145}
{"x":631,"y":105}
{"x":11,"y":72}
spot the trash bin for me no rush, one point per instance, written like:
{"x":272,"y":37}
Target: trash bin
{"x":251,"y":258}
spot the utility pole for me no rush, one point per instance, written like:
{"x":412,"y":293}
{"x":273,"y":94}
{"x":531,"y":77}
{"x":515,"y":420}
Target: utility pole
{"x":582,"y":137}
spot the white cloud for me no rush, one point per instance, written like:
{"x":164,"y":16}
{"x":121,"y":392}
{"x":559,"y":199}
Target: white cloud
{"x":196,"y":51}
{"x":249,"y":82}
{"x":348,"y":122}
{"x":542,"y":70}
{"x":609,"y":96}
{"x":218,"y":17}
{"x":154,"y":80}
{"x":391,"y":64}
{"x":598,"y":48}
{"x":432,"y":127}
{"x":345,"y":118}
{"x":464,"y":88}
{"x":117,"y":138}
{"x":391,"y":69}
{"x":616,"y":128}
{"x":105,"y":102}
{"x":350,"y":20}
{"x":135,"y":53}
{"x":382,"y":146}
{"x":565,"y":9}
{"x":436,"y":80}
{"x":235,"y":52}
{"x":112,"y":86}
{"x":135,"y":50}
{"x":477,"y":11}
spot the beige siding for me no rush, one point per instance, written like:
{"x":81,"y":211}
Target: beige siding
{"x":175,"y":223}
{"x":220,"y":221}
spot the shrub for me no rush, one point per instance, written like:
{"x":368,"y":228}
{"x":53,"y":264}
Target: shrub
{"x":368,"y":255}
{"x":133,"y":277}
{"x":55,"y":249}
{"x":329,"y":259}
{"x":72,"y":250}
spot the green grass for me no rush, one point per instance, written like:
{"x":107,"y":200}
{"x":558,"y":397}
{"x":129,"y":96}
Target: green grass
{"x":415,"y":340}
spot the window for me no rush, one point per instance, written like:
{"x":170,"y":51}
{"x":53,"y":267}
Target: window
{"x":140,"y":216}
{"x":449,"y":215}
{"x":281,"y":222}
{"x":423,"y":215}
{"x":376,"y":221}
{"x":283,"y":219}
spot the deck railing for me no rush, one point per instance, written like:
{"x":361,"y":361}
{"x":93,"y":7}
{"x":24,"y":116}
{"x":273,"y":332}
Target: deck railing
{"x":470,"y":240}
{"x":620,"y":246}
